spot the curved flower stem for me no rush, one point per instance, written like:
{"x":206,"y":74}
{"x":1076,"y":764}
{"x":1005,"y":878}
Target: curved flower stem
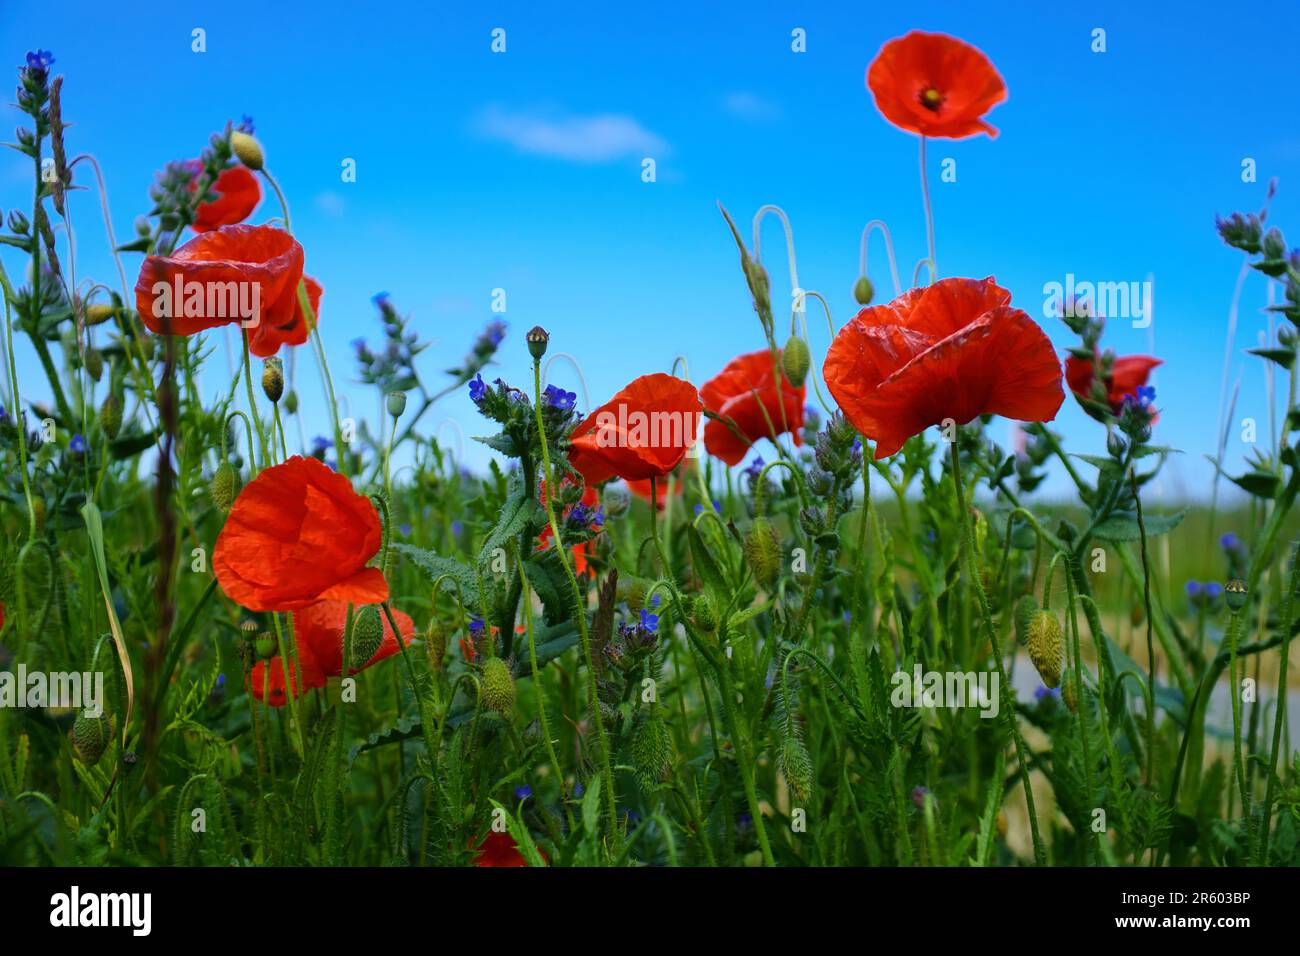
{"x":797,"y":315}
{"x":929,"y":215}
{"x":789,"y":240}
{"x":968,"y":558}
{"x":252,"y":405}
{"x":889,"y":252}
{"x":580,"y":618}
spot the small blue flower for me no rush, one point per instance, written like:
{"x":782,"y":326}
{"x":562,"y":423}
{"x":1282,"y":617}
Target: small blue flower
{"x":476,"y":625}
{"x":78,"y":445}
{"x":1194,"y":590}
{"x":457,"y":528}
{"x":523,"y":792}
{"x":1230,"y":542}
{"x":221,"y":680}
{"x":40,"y":60}
{"x":380,"y":299}
{"x":1044,"y":692}
{"x":478,"y":389}
{"x":1213,"y":591}
{"x":755,"y":468}
{"x":1146,"y":394}
{"x":320,"y":444}
{"x":558,"y":398}
{"x":649,"y":622}
{"x":246,"y":124}
{"x":655,"y":600}
{"x":404,"y":530}
{"x":578,"y":789}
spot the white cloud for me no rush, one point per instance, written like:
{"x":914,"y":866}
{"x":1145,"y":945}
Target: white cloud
{"x":750,"y":106}
{"x":584,"y":139}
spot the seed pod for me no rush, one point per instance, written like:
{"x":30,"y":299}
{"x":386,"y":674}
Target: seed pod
{"x":110,"y":415}
{"x":1046,"y":649}
{"x":863,"y":291}
{"x":291,"y":402}
{"x":1236,"y":594}
{"x":90,"y":738}
{"x":653,"y":752}
{"x":498,"y":687}
{"x":273,"y":379}
{"x":763,"y":551}
{"x":1068,"y":697}
{"x":796,"y":767}
{"x":1024,"y":613}
{"x":396,"y":403}
{"x":223,"y":486}
{"x":538,"y":339}
{"x":247,"y":149}
{"x":265,"y":646}
{"x":795,"y":361}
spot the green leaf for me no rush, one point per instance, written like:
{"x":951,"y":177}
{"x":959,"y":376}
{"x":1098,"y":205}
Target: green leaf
{"x":591,"y":807}
{"x":131,"y":444}
{"x":1261,"y":484}
{"x":546,"y":576}
{"x":518,"y":511}
{"x":1123,"y":527}
{"x":437,"y":567}
{"x":706,"y":567}
{"x":1283,"y":357}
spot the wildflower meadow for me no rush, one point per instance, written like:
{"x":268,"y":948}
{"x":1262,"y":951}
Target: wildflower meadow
{"x":814,"y":606}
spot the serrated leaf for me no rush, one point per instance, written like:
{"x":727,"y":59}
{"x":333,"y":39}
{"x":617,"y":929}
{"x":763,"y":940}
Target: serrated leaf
{"x":435,"y":566}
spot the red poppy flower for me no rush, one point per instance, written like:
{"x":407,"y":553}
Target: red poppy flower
{"x":935,"y":85}
{"x":235,"y":274}
{"x":642,"y":432}
{"x":238,"y":194}
{"x":752,"y":393}
{"x":590,"y":501}
{"x":319,"y":633}
{"x":1126,"y":374}
{"x":499,"y":849}
{"x":267,"y":677}
{"x":955,"y":349}
{"x":299,"y":534}
{"x":642,"y":490}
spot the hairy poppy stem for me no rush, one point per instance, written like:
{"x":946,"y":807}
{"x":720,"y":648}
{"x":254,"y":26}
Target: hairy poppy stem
{"x":929,"y":216}
{"x":968,"y":558}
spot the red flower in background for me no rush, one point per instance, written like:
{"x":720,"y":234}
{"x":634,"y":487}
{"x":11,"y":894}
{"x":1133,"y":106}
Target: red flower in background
{"x":935,"y":85}
{"x":753,"y":393}
{"x":211,"y":279}
{"x":318,"y":630}
{"x":238,"y":194}
{"x":955,"y":349}
{"x":299,"y":534}
{"x":1126,"y":374}
{"x":642,"y":490}
{"x":642,"y":432}
{"x":499,"y":849}
{"x":589,"y":503}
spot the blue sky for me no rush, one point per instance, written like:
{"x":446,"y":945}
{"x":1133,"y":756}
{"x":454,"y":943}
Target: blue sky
{"x":522,"y":170}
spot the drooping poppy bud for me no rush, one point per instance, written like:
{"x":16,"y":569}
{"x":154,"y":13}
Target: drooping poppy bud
{"x":273,"y":379}
{"x":1046,"y":649}
{"x":223,"y":486}
{"x":90,"y":738}
{"x":367,"y":635}
{"x":110,"y":415}
{"x":248,"y":150}
{"x":795,"y":361}
{"x":498,"y":687}
{"x":763,"y":550}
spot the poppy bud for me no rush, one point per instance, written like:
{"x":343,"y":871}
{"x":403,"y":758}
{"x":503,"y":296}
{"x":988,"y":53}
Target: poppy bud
{"x":94,"y":364}
{"x":763,"y":550}
{"x":1024,"y":613}
{"x":653,"y":752}
{"x":795,"y":361}
{"x":704,"y":615}
{"x":1068,"y":697}
{"x":436,"y":645}
{"x":247,"y":149}
{"x":110,"y":415}
{"x":1046,"y":649}
{"x":223,"y":486}
{"x":273,"y":379}
{"x":633,"y":591}
{"x":367,"y":635}
{"x":248,"y":628}
{"x":616,"y":502}
{"x":291,"y":402}
{"x":498,"y":687}
{"x":90,"y":738}
{"x":863,"y":291}
{"x":538,"y":339}
{"x":396,"y":402}
{"x":264,"y":646}
{"x":98,"y":313}
{"x":759,"y":285}
{"x":1236,"y":594}
{"x":796,"y":767}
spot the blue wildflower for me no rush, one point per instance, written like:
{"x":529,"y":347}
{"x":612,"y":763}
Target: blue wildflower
{"x":558,"y":398}
{"x":478,"y":389}
{"x":78,"y":445}
{"x":40,"y":60}
{"x":523,"y":792}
